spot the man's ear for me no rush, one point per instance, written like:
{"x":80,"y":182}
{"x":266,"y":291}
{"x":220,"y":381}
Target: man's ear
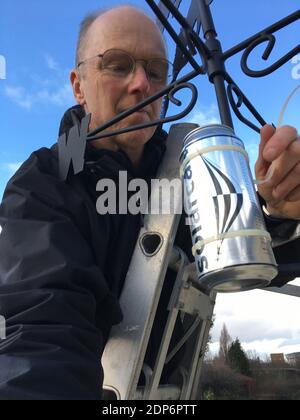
{"x":76,"y":82}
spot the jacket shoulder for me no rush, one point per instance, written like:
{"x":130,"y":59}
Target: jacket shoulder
{"x":43,"y":161}
{"x":36,"y":188}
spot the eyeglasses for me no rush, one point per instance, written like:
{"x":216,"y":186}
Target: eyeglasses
{"x":120,"y":64}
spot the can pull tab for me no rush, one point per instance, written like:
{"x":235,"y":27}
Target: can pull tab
{"x":271,"y":170}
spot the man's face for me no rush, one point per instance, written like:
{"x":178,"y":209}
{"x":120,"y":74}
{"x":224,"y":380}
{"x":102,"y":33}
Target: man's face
{"x":105,"y":96}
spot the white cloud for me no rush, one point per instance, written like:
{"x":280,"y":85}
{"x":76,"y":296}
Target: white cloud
{"x":41,"y":91}
{"x":204,"y":116}
{"x":262,"y":347}
{"x":7,"y":170}
{"x":51,"y":63}
{"x":61,"y":96}
{"x":19,"y":96}
{"x":12,"y":167}
{"x":263,"y":321}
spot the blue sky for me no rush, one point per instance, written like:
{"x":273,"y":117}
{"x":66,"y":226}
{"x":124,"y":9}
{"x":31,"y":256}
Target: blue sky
{"x":37,"y":41}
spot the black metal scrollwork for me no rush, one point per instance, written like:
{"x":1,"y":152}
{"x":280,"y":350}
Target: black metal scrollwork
{"x":187,"y":42}
{"x":266,"y":35}
{"x":242,"y":100}
{"x":232,"y":88}
{"x":190,"y":49}
{"x":271,"y":43}
{"x":171,"y":90}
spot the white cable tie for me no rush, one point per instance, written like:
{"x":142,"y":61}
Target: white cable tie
{"x":208,"y":149}
{"x":224,"y":148}
{"x":230,"y":235}
{"x":271,"y":170}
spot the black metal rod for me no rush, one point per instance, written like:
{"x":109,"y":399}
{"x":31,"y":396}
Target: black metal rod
{"x":216,"y":67}
{"x":175,"y":12}
{"x":223,"y":103}
{"x":207,"y":21}
{"x":174,"y":36}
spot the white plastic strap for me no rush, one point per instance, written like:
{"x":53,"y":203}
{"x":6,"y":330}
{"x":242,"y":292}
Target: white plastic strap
{"x":208,"y":149}
{"x":285,"y":105}
{"x":223,"y":148}
{"x":233,"y":234}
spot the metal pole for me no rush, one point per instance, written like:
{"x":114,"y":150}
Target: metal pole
{"x":216,"y":66}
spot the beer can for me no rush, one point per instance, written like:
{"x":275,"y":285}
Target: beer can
{"x":231,"y":245}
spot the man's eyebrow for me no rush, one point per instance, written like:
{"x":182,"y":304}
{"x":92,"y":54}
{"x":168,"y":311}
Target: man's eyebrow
{"x":152,"y":54}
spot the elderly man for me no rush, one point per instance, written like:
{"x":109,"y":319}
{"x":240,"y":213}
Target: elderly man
{"x":62,"y":265}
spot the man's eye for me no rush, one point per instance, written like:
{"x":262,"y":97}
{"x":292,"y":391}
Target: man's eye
{"x":155,"y":75}
{"x":117,"y":68}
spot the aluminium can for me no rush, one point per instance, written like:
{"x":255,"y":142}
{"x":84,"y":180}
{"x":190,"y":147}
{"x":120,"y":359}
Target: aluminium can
{"x":232,"y":248}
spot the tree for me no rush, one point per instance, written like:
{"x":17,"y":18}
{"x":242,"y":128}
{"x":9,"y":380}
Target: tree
{"x":225,"y":342}
{"x":237,"y":358}
{"x":206,"y":351}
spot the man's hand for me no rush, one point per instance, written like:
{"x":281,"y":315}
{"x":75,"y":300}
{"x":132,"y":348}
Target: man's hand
{"x":279,"y":153}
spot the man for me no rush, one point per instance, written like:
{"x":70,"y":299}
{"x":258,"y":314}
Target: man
{"x":62,"y":265}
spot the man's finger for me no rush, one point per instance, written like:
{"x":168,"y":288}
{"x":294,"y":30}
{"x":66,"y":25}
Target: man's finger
{"x":265,"y":134}
{"x":262,"y":165}
{"x":279,"y":142}
{"x":289,"y":183}
{"x":286,"y":162}
{"x":294,"y":195}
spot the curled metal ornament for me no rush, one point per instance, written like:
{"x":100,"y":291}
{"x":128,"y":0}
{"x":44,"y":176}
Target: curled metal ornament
{"x":232,"y":88}
{"x":271,"y":40}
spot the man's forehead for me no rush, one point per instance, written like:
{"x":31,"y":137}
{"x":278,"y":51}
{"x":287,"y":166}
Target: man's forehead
{"x":126,"y":29}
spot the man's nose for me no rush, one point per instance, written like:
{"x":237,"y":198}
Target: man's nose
{"x":139,"y":80}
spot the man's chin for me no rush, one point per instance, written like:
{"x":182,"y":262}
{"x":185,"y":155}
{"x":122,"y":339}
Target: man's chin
{"x":141,"y":136}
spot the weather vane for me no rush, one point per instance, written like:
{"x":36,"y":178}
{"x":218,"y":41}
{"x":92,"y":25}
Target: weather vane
{"x":206,"y":57}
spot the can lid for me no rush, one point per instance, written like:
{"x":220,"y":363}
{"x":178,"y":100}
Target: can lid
{"x":208,"y":131}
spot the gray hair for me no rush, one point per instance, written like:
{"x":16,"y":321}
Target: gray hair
{"x":87,"y":22}
{"x":85,"y":25}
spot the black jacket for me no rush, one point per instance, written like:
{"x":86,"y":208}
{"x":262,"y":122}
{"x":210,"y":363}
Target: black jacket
{"x":62,"y":268}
